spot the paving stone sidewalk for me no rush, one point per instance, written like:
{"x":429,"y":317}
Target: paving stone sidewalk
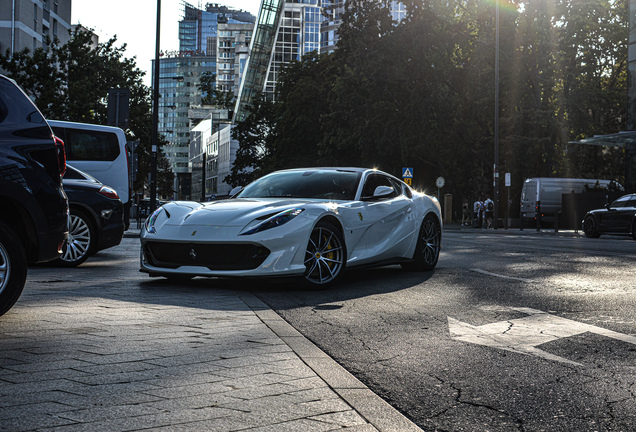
{"x":93,"y":349}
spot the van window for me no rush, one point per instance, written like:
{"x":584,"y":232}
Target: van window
{"x":529,"y":192}
{"x":87,"y":145}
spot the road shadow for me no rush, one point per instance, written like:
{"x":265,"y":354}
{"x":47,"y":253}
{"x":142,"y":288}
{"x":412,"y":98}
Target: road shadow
{"x":355,"y":283}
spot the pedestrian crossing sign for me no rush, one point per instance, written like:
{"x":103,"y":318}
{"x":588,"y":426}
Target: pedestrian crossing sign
{"x":407,"y":173}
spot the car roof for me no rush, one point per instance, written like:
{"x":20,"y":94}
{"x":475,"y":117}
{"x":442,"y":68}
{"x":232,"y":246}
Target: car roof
{"x":345,"y":169}
{"x":327,"y":169}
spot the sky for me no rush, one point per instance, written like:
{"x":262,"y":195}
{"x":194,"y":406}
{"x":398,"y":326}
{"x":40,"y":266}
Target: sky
{"x":134,"y":23}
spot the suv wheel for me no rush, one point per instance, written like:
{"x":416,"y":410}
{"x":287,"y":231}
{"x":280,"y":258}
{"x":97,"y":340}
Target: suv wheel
{"x":13,"y":268}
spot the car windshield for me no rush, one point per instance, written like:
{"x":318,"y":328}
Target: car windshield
{"x":317,"y":184}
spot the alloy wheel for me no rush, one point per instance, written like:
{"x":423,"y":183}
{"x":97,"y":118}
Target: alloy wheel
{"x":430,"y":237}
{"x":5,"y":268}
{"x":78,"y":245}
{"x":325,"y":255}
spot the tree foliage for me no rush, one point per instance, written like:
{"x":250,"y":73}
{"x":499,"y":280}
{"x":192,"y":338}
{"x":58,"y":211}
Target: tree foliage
{"x":255,"y":135}
{"x":71,"y":82}
{"x":421,"y":93}
{"x":211,"y":95}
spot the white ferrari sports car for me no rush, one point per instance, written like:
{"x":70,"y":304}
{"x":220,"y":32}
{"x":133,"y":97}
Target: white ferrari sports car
{"x":310,"y":223}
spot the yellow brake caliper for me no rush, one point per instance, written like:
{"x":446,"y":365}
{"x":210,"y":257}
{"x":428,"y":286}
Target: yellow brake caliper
{"x":329,"y":255}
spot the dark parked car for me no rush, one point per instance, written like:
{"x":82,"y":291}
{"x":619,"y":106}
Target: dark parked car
{"x":618,"y":217}
{"x":33,"y":206}
{"x":96,"y":219}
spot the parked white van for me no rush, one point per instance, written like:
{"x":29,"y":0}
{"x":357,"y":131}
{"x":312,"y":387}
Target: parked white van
{"x":546,"y":192}
{"x":100,"y":151}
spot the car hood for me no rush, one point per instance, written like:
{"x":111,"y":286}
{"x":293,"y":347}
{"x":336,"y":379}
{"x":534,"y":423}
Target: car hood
{"x":234,"y":212}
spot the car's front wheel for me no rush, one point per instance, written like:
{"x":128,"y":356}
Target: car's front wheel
{"x":429,"y":241}
{"x":325,"y":256}
{"x":589,"y":227}
{"x":13,"y":268}
{"x":634,"y":230}
{"x":81,"y":238}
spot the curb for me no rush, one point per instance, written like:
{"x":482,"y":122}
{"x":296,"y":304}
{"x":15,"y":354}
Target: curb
{"x":132,"y":233}
{"x":374,"y":409}
{"x":514,"y":231}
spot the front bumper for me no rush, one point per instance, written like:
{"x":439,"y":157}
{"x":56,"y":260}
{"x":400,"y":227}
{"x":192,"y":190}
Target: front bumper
{"x":222,"y":252}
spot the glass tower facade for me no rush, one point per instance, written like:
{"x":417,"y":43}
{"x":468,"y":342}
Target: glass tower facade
{"x":180,"y":73}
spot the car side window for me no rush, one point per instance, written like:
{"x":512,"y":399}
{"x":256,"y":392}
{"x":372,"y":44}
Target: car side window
{"x":400,"y":188}
{"x":620,"y":203}
{"x":371,"y":184}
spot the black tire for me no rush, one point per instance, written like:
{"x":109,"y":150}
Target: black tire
{"x":429,"y":241}
{"x":13,"y":268}
{"x":634,"y":230}
{"x":325,"y":256}
{"x":81,"y":240}
{"x":589,"y":227}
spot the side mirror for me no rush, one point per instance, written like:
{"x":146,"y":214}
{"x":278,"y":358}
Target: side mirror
{"x":608,"y":206}
{"x":236,"y":191}
{"x":382,"y":192}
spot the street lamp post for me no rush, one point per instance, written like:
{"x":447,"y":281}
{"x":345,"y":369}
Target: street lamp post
{"x":496,"y":164}
{"x":155,"y":117}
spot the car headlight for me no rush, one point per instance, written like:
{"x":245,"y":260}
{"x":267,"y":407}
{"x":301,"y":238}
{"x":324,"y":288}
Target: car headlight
{"x":271,"y":221}
{"x":150,"y":221}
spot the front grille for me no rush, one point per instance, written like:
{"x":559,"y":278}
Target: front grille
{"x":212,"y":256}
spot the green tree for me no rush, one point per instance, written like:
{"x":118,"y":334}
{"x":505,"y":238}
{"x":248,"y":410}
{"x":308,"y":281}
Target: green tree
{"x":254,"y":135}
{"x":421,"y":93}
{"x":210,"y":95}
{"x":71,"y":82}
{"x":593,"y":59}
{"x":301,"y":101}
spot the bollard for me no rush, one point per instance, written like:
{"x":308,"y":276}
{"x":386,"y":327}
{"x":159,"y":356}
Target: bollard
{"x":448,"y":209}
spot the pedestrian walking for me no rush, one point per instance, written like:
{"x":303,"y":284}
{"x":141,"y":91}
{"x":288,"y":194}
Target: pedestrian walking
{"x":465,"y":214}
{"x":477,"y":216}
{"x":489,"y":207}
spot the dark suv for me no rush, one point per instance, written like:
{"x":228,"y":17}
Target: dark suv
{"x":33,"y":206}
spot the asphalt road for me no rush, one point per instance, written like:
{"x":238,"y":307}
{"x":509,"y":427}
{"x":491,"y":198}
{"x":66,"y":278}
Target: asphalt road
{"x":510,"y":333}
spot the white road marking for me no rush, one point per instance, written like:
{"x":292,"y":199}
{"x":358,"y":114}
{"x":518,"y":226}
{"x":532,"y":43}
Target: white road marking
{"x":523,"y":335}
{"x":502,"y":276}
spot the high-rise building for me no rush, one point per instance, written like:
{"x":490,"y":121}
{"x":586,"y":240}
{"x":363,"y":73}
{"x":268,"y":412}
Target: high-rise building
{"x":298,"y":33}
{"x":233,"y":45}
{"x":27,"y":23}
{"x":198,"y":29}
{"x":285,"y":31}
{"x":180,"y":73}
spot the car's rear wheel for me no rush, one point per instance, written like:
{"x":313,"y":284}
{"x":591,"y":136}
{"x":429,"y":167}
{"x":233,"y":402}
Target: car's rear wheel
{"x":429,"y":241}
{"x":13,"y":268}
{"x":325,"y":256}
{"x":81,"y":239}
{"x":634,"y":230}
{"x":589,"y":227}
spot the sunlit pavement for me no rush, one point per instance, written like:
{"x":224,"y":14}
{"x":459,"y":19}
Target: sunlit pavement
{"x":105,"y":348}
